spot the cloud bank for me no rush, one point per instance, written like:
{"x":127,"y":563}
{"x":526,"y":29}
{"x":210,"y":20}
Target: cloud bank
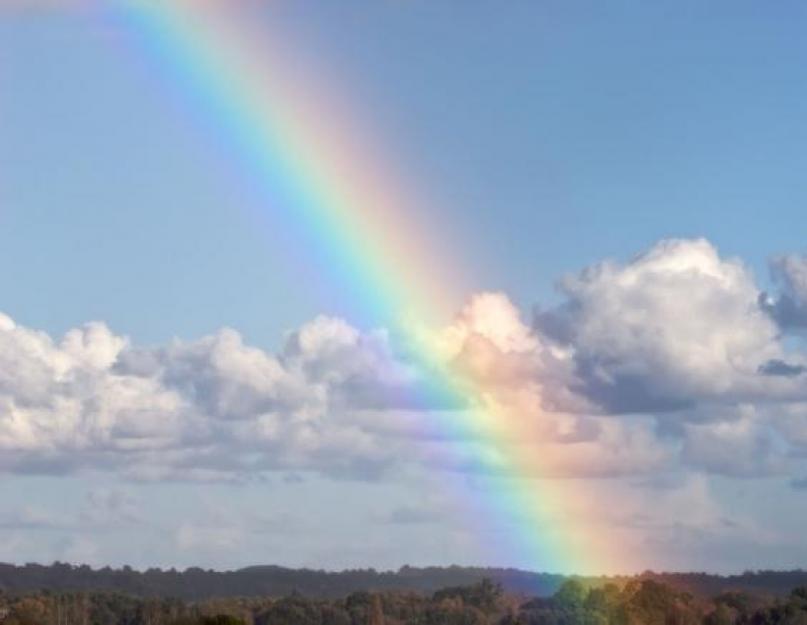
{"x":674,"y":359}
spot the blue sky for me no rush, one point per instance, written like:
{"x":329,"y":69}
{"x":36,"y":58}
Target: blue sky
{"x":547,"y":136}
{"x":551,"y":135}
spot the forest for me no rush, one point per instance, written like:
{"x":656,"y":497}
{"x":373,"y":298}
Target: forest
{"x":639,"y":601}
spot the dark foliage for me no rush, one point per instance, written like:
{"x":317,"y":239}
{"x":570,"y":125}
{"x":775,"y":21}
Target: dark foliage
{"x":197,"y":584}
{"x":641,"y":601}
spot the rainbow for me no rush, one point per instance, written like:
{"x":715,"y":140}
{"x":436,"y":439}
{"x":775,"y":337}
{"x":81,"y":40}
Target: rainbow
{"x":296,"y":139}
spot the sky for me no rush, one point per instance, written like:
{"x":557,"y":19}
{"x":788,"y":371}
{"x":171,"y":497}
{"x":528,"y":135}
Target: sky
{"x":617,"y":192}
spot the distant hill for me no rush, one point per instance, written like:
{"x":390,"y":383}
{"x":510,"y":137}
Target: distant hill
{"x":197,"y":584}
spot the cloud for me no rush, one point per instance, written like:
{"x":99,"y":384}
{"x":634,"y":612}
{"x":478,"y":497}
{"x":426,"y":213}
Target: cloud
{"x":676,"y":325}
{"x":746,"y":446}
{"x":789,"y":308}
{"x":107,"y":508}
{"x":780,"y":367}
{"x":415,"y":515}
{"x":640,"y":368}
{"x":334,"y":400}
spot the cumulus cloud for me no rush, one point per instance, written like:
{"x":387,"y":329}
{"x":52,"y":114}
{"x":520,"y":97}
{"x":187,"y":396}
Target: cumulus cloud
{"x":674,"y":326}
{"x":334,"y":400}
{"x":639,"y":369}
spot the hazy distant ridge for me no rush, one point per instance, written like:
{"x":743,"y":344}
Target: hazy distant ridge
{"x":196,"y":583}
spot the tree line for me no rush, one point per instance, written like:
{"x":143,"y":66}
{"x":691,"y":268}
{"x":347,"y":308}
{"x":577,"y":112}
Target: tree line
{"x":195,"y":584}
{"x":636,"y":602}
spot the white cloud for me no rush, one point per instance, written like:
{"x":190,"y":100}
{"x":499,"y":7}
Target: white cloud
{"x":640,"y":369}
{"x":674,"y":326}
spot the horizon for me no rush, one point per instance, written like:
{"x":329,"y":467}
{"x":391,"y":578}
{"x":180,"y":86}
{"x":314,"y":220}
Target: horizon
{"x":352,"y":286}
{"x":405,"y":567}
